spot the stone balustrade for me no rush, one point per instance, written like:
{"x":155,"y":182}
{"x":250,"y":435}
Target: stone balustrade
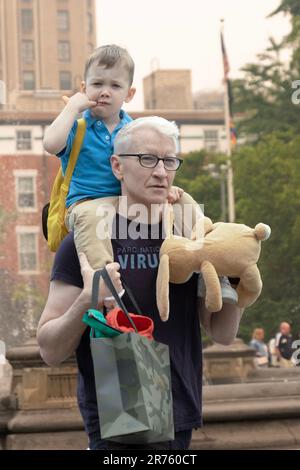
{"x":244,"y":407}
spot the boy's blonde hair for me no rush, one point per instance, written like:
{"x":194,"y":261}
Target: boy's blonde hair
{"x":109,"y":56}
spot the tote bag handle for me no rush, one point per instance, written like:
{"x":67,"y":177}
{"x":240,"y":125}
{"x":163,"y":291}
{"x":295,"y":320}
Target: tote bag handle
{"x":95,"y":289}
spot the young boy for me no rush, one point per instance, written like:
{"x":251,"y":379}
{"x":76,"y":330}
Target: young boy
{"x":93,"y":189}
{"x":107,"y":85}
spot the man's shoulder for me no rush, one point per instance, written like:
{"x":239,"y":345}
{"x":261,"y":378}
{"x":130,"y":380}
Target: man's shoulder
{"x":66,"y":265}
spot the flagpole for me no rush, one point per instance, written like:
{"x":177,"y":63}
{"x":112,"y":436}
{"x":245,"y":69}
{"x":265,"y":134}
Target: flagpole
{"x":230,"y":187}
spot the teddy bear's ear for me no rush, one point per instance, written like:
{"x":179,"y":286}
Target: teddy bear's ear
{"x":162,"y":287}
{"x":262,"y":231}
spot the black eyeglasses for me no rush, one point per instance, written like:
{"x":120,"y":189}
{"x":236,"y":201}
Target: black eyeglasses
{"x":150,"y":161}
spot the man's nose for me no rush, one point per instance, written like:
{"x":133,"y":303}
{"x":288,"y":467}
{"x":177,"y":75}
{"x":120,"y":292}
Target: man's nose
{"x":160,"y":170}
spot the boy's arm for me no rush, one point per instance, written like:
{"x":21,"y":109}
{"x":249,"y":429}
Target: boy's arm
{"x":175,"y":194}
{"x":221,"y":326}
{"x":56,"y":135}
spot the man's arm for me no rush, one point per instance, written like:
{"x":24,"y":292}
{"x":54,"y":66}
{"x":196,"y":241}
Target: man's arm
{"x":56,"y":135}
{"x":60,"y":327}
{"x":221,"y":326}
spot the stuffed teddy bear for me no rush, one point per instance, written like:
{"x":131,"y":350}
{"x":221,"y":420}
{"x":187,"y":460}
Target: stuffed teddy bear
{"x":227,"y":249}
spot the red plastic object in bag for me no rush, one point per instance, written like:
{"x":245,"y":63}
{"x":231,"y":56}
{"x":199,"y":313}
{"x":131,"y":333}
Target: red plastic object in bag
{"x":117,"y":319}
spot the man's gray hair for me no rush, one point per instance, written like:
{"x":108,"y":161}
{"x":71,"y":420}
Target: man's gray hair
{"x":163,"y":126}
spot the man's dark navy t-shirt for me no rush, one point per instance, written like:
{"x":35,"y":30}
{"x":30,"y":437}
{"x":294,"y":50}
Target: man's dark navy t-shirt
{"x":139,"y":260}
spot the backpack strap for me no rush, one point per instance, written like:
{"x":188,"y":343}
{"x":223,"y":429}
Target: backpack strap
{"x":79,"y":136}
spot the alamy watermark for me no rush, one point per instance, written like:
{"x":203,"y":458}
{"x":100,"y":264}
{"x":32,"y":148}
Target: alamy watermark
{"x":296,"y":93}
{"x":296,"y":354}
{"x":2,"y":92}
{"x":141,"y":223}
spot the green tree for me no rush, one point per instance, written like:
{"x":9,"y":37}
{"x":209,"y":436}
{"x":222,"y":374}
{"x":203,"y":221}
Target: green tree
{"x":197,"y":179}
{"x":292,"y":40}
{"x":264,"y":95}
{"x":267,"y":190}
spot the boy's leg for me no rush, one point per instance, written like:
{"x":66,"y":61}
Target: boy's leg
{"x":229,"y":294}
{"x":91,"y":222}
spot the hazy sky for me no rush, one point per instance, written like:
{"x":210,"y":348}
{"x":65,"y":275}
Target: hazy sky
{"x":185,"y":34}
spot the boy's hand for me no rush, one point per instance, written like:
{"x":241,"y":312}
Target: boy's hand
{"x":79,"y":102}
{"x":174,"y":194}
{"x":87,"y":273}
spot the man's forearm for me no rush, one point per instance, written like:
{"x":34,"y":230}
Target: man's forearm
{"x":59,"y":337}
{"x":221,"y":326}
{"x":57,"y":133}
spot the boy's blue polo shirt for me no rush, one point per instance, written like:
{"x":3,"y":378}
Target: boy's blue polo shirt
{"x":93,"y":176}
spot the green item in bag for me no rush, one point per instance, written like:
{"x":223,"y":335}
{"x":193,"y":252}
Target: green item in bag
{"x":99,"y":327}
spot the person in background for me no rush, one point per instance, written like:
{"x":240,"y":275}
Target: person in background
{"x":283,"y":343}
{"x":257,"y":343}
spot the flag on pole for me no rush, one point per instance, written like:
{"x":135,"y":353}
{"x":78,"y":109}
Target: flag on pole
{"x":233,"y":134}
{"x":225,"y":58}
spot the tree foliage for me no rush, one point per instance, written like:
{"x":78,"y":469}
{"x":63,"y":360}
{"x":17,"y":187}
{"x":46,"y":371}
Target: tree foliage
{"x":264,"y":95}
{"x":204,"y":185}
{"x":267,"y":189}
{"x":266,"y":176}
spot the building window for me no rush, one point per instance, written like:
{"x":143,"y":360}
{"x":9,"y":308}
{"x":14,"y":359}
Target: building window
{"x":63,"y":20}
{"x":27,"y":52}
{"x":65,"y":81}
{"x":26,"y":192}
{"x":64,"y":51}
{"x":24,"y":140}
{"x":26,"y":20}
{"x":90,"y":25}
{"x":211,"y":139}
{"x":28,"y":251}
{"x":28,"y":80}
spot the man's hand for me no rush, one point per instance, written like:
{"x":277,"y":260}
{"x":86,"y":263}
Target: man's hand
{"x":79,"y":102}
{"x":87,"y":273}
{"x":174,"y":194}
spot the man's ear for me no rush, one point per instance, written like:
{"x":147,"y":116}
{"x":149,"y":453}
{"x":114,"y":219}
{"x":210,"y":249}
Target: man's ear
{"x":83,"y":87}
{"x":130,"y":95}
{"x":117,"y":167}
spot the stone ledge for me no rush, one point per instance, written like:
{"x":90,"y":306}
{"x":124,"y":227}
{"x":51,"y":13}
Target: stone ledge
{"x":71,"y":440}
{"x":270,"y":434}
{"x":251,"y":401}
{"x":251,"y":390}
{"x":45,"y":420}
{"x":255,"y":409}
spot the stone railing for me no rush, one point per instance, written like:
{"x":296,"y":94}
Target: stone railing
{"x":40,"y":411}
{"x":255,"y":409}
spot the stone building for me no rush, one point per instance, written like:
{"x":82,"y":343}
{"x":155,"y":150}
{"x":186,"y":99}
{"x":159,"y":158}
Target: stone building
{"x":41,"y":52}
{"x":168,"y":89}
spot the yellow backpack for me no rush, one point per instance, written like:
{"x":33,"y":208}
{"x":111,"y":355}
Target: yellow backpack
{"x":53,"y":217}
